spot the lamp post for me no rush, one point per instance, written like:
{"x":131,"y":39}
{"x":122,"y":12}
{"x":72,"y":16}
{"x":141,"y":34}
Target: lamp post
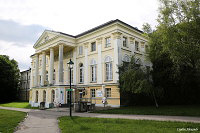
{"x":70,"y":65}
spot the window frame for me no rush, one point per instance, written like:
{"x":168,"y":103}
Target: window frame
{"x":81,"y":73}
{"x":107,"y":43}
{"x":108,"y":92}
{"x":80,"y":50}
{"x":93,"y":48}
{"x":125,"y":41}
{"x":137,"y":46}
{"x":92,"y":93}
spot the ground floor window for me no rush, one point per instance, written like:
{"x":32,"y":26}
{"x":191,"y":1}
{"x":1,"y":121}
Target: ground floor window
{"x":108,"y":92}
{"x":36,"y":96}
{"x":53,"y":96}
{"x":92,"y":92}
{"x":44,"y":96}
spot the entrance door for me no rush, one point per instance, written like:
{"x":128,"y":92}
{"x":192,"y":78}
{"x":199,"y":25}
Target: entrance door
{"x":68,"y":98}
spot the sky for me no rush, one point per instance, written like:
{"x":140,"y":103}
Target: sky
{"x":23,"y":21}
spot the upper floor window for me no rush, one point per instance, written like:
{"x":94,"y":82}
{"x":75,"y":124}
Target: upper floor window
{"x":93,"y":46}
{"x":81,"y":78}
{"x":108,"y":92}
{"x":93,"y":65}
{"x":137,"y":46}
{"x":92,"y":92}
{"x":108,"y":43}
{"x":125,"y":42}
{"x":80,"y":50}
{"x":108,"y":65}
{"x":40,"y":62}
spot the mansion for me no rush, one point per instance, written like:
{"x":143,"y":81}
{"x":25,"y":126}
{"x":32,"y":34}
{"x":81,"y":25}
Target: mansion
{"x":96,"y":54}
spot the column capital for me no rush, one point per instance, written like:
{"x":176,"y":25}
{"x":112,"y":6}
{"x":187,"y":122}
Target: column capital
{"x":86,"y":44}
{"x":43,"y":52}
{"x":131,"y":39}
{"x":99,"y":40}
{"x":117,"y":35}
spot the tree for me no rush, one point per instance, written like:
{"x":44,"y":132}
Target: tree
{"x":135,"y":79}
{"x":9,"y":79}
{"x":175,"y":50}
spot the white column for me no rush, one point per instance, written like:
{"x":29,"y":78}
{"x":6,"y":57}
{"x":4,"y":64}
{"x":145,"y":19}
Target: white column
{"x":36,"y":70}
{"x":86,"y":65}
{"x":51,"y":66}
{"x":117,"y":55}
{"x":43,"y":78}
{"x":99,"y":65}
{"x":74,"y":68}
{"x":60,"y":65}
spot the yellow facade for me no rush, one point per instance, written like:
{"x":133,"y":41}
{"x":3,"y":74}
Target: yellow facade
{"x":95,"y":71}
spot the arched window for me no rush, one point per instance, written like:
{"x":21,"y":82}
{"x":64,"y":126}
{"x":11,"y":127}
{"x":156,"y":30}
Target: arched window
{"x":138,"y":61}
{"x":93,"y":66}
{"x":52,"y":96}
{"x":126,"y":58}
{"x":81,"y":73}
{"x":108,"y":66}
{"x":36,"y":96}
{"x":44,"y":96}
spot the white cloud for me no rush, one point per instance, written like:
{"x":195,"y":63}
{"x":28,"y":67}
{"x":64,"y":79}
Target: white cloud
{"x":20,"y":54}
{"x":71,"y":17}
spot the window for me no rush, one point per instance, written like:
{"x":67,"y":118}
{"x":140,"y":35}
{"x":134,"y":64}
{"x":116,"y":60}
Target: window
{"x":93,"y":65}
{"x":53,"y":96}
{"x":125,"y":42}
{"x":36,"y":96}
{"x":80,"y":50}
{"x":92,"y":92}
{"x":93,"y":46}
{"x":46,"y":75}
{"x":108,"y":42}
{"x":108,"y":92}
{"x":44,"y":96}
{"x":54,"y":75}
{"x":81,"y":73}
{"x":108,"y":65}
{"x":137,"y":46}
{"x":126,"y":58}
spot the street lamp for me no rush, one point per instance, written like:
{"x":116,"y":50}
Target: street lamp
{"x":70,"y":65}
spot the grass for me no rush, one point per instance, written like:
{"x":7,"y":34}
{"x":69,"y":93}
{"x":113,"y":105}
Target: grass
{"x":106,"y":125}
{"x":151,"y":110}
{"x":18,"y":105}
{"x":9,"y":120}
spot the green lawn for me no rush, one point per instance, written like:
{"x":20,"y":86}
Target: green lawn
{"x":105,"y":125}
{"x":151,"y":110}
{"x":9,"y":120}
{"x":18,"y":105}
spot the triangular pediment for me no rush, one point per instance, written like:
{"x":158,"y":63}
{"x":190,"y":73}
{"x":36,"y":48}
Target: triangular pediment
{"x":45,"y":37}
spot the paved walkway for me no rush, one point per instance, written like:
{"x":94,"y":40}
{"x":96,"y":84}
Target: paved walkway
{"x":45,"y":121}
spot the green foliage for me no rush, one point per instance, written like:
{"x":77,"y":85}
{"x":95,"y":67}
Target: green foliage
{"x":9,"y":120}
{"x":106,"y":125}
{"x":135,"y":79}
{"x":175,"y":51}
{"x":18,"y":105}
{"x":9,"y":75}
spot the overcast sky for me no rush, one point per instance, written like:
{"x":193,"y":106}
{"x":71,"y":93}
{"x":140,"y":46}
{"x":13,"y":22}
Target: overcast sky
{"x":23,"y":21}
